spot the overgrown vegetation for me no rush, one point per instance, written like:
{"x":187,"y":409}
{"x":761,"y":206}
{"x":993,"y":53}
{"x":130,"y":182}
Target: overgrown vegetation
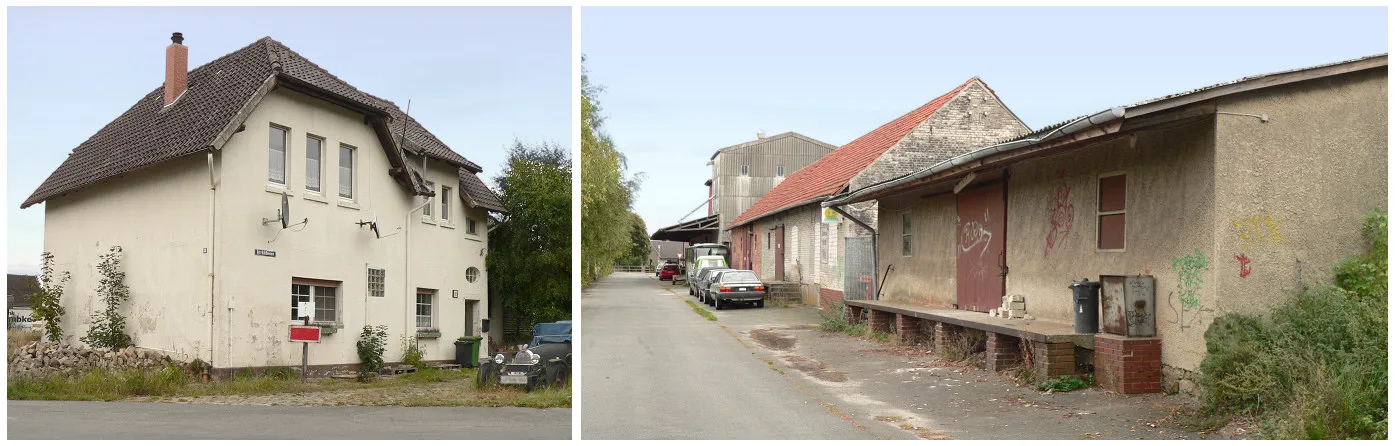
{"x":701,"y":311}
{"x":411,"y":352}
{"x":371,"y":344}
{"x":14,"y":339}
{"x":606,"y":193}
{"x":833,"y":321}
{"x":1316,"y":367}
{"x":530,"y":252}
{"x":1065,"y":383}
{"x":966,"y":345}
{"x":48,"y":302}
{"x":108,"y":328}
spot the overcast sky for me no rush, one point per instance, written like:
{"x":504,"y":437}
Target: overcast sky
{"x":477,"y":77}
{"x":683,"y":82}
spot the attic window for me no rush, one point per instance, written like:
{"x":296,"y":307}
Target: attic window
{"x":276,"y":171}
{"x":427,"y":210}
{"x":346,"y":171}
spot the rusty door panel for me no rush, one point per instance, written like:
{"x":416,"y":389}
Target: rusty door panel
{"x":979,"y":255}
{"x":1126,"y":306}
{"x":779,"y":246}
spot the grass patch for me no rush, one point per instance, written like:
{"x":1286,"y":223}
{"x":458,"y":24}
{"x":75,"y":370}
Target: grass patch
{"x":1065,"y":383}
{"x":701,"y":311}
{"x":15,"y":339}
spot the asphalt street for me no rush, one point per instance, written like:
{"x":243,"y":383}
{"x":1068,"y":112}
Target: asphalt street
{"x":652,"y":369}
{"x":80,"y":420}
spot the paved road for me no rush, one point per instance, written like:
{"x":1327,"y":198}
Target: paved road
{"x":652,"y":369}
{"x":45,"y":420}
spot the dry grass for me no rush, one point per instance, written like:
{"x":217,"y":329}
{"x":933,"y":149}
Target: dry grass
{"x":19,"y":338}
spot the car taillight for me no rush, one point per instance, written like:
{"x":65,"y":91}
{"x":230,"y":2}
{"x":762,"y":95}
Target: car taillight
{"x":725,"y":289}
{"x":760,"y":287}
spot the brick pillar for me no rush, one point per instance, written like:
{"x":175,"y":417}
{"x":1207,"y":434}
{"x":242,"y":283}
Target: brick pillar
{"x":1128,"y":365}
{"x":830,"y":298}
{"x":852,"y":315}
{"x":879,"y":321}
{"x":943,"y":332}
{"x":908,"y":330}
{"x":1053,"y":359}
{"x":1004,"y":352}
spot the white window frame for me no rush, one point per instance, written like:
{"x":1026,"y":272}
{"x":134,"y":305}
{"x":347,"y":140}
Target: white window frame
{"x":381,"y":289}
{"x":319,"y":165}
{"x":745,"y":170}
{"x":430,"y":308}
{"x":426,"y":211}
{"x":285,"y":155}
{"x":780,"y":170}
{"x":470,"y":226}
{"x":312,"y":288}
{"x":445,"y":203}
{"x":353,"y":172}
{"x":472,"y":274}
{"x":1098,"y":213}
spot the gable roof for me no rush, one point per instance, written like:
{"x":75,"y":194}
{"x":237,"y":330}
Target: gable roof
{"x":829,"y":174}
{"x":768,"y":139}
{"x":219,"y":97}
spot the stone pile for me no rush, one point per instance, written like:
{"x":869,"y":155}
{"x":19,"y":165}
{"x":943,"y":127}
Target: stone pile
{"x":43,"y":358}
{"x":1014,"y":306}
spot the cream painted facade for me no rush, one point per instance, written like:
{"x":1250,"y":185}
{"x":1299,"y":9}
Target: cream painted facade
{"x":1269,"y":206}
{"x":199,"y":290}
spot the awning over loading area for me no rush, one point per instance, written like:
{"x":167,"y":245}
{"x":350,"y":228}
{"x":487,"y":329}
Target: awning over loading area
{"x":701,"y":230}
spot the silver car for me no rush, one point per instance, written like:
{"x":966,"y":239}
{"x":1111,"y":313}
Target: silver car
{"x":699,"y":281}
{"x":735,"y":285}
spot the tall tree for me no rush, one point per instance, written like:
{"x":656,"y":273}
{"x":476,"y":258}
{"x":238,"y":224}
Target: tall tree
{"x":530,"y":250}
{"x":606,"y":193}
{"x":638,"y":253}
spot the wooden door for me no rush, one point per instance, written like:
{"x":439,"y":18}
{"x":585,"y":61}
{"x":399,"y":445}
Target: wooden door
{"x":980,"y":265}
{"x":778,"y":237}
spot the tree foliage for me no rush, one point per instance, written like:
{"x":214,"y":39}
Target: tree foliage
{"x":108,"y":329}
{"x":606,"y":193}
{"x":530,"y":251}
{"x":638,"y":253}
{"x":48,"y":302}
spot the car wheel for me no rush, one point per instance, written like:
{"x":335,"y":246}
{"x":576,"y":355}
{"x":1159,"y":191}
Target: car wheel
{"x":717,"y":302}
{"x":690,"y":291}
{"x":760,"y":303}
{"x":555,"y":376}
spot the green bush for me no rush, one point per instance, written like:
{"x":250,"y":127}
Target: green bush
{"x":1065,"y":383}
{"x":1315,"y":368}
{"x":412,"y":354}
{"x":371,"y":343}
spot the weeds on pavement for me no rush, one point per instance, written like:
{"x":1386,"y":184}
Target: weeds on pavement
{"x":701,"y":311}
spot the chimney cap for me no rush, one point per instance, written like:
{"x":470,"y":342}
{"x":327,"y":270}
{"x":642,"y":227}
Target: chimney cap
{"x":178,"y":38}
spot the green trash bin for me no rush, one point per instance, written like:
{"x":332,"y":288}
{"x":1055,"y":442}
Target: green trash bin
{"x":467,"y":351}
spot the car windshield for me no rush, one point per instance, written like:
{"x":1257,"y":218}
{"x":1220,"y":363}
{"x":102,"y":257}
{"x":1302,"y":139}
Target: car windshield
{"x":739,"y":276}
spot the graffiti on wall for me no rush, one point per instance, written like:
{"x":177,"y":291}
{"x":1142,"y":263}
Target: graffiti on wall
{"x":1060,"y":212}
{"x":1257,"y":230}
{"x":1244,"y":265}
{"x":1189,"y":278}
{"x":975,"y":233}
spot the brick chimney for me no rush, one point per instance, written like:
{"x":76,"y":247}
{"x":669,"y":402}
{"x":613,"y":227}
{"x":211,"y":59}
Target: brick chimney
{"x":176,"y":68}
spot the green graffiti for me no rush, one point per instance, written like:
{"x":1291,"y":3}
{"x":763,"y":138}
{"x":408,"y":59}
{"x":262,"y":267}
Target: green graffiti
{"x":1189,"y":279}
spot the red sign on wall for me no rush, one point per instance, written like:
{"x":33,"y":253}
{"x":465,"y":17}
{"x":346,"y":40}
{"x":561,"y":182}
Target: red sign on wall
{"x":305,"y":333}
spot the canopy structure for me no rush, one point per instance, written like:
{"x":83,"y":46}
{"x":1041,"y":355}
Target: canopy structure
{"x":700,"y":230}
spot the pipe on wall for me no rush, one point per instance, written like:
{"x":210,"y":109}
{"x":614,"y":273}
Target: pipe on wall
{"x":212,"y":236}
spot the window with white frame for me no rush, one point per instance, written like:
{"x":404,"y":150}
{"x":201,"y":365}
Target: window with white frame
{"x":325,"y":295}
{"x":426,"y":299}
{"x":470,"y":226}
{"x":779,"y":171}
{"x":472,"y":274}
{"x":427,"y":210}
{"x":377,"y":282}
{"x":445,"y":203}
{"x":314,"y":153}
{"x":745,"y":170}
{"x":346,"y":171}
{"x":276,"y":168}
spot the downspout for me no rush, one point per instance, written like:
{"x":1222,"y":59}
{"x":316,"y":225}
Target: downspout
{"x":875,"y":255}
{"x":212,"y":237}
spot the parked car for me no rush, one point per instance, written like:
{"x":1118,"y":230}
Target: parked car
{"x":668,"y":272}
{"x":736,"y":285}
{"x":660,"y":270}
{"x":546,"y":362}
{"x":699,"y":281}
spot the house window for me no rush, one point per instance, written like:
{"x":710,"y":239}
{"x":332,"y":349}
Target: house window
{"x":425,"y":299}
{"x":470,"y":226}
{"x":445,"y":203}
{"x":427,"y":210}
{"x":377,"y":282}
{"x":471,"y":274}
{"x":314,"y":152}
{"x":906,"y":234}
{"x":779,"y":171}
{"x":745,"y":170}
{"x":324,"y":293}
{"x":346,"y":171}
{"x":1111,"y":212}
{"x":276,"y":173}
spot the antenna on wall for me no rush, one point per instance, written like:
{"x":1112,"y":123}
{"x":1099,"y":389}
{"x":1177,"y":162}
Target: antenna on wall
{"x":283,"y":215}
{"x":371,"y":225}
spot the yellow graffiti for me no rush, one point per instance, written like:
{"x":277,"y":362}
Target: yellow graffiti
{"x":1258,"y":230}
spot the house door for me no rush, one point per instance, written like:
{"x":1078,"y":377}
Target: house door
{"x":778,"y":237}
{"x":980,"y":265}
{"x":750,"y":245}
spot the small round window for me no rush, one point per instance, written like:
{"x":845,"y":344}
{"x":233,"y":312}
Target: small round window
{"x":471,"y":274}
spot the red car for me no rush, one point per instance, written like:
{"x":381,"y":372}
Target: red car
{"x":668,"y":272}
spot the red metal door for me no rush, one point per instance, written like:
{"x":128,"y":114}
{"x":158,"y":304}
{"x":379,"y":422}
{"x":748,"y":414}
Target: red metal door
{"x":779,"y":238}
{"x":980,"y":258}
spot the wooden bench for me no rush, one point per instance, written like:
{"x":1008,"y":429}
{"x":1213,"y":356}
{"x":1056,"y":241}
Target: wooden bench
{"x":1052,"y":344}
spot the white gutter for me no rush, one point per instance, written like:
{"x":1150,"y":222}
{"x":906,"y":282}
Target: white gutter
{"x":1077,"y":125}
{"x":212,"y":238}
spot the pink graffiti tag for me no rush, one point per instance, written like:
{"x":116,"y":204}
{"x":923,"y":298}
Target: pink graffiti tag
{"x":1244,"y":265}
{"x":1061,"y":213}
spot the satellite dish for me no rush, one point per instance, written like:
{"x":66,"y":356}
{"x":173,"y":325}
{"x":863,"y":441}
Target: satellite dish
{"x":285,"y":210}
{"x":374,"y":226}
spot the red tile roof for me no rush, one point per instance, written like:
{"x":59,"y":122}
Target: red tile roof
{"x":826,"y":176}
